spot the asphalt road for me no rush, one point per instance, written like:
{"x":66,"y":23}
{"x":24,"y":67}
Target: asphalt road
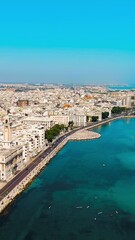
{"x":23,"y":174}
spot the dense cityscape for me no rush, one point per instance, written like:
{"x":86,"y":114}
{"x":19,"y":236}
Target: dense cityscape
{"x":28,"y":113}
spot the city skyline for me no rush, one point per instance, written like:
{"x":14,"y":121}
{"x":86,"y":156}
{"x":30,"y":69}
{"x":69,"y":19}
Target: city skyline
{"x":80,"y":42}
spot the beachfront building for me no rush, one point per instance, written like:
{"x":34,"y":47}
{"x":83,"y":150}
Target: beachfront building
{"x":47,"y":122}
{"x":93,"y":113}
{"x":78,"y":120}
{"x":32,"y":139}
{"x":11,"y":160}
{"x":60,"y":119}
{"x":126,"y":101}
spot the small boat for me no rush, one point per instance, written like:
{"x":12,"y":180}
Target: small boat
{"x":100,"y":213}
{"x":103,"y":165}
{"x":116,"y":212}
{"x":79,"y":207}
{"x":49,"y":207}
{"x":95,"y":218}
{"x":88,"y":206}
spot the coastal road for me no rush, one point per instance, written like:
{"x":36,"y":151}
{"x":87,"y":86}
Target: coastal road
{"x":23,"y":174}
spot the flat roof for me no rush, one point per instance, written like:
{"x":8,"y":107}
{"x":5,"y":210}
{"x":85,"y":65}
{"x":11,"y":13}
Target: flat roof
{"x":5,"y":152}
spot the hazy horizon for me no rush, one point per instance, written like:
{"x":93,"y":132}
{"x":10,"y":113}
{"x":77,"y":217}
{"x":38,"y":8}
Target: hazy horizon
{"x":75,"y":42}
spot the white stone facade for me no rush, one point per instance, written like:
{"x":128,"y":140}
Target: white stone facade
{"x":11,"y":160}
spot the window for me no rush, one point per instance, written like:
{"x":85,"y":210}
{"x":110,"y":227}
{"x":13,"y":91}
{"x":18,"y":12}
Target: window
{"x":2,"y":167}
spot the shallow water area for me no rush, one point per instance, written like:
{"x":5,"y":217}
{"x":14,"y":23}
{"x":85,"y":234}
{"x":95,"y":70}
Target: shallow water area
{"x":86,"y":192}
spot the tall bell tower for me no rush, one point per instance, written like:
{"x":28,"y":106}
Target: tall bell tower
{"x":7,"y":133}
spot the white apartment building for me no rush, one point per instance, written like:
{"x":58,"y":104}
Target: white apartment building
{"x":36,"y":140}
{"x":24,"y":144}
{"x":32,"y":140}
{"x":26,"y":156}
{"x":79,"y":120}
{"x":126,"y":101}
{"x":94,"y":113}
{"x":47,"y":122}
{"x":11,"y":160}
{"x":60,"y":119}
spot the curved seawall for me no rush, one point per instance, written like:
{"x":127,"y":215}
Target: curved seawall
{"x":19,"y":183}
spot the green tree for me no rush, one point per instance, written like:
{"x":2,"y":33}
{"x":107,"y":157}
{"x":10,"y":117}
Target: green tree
{"x":94,"y":118}
{"x":118,"y":110}
{"x":54,"y":132}
{"x":105,"y":115}
{"x":88,"y":118}
{"x":70,"y":124}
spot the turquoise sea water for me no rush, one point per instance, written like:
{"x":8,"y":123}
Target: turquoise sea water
{"x":97,"y":176}
{"x":120,"y":88}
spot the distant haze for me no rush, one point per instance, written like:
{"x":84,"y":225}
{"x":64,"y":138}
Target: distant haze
{"x":67,"y":42}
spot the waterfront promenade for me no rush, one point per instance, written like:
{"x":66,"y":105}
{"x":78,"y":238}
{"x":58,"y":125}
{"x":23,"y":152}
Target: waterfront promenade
{"x":23,"y":178}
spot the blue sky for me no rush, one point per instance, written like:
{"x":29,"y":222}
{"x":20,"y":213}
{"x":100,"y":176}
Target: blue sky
{"x":67,"y":41}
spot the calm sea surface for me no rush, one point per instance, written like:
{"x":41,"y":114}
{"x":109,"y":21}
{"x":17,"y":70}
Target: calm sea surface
{"x":120,"y":88}
{"x":86,"y":192}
